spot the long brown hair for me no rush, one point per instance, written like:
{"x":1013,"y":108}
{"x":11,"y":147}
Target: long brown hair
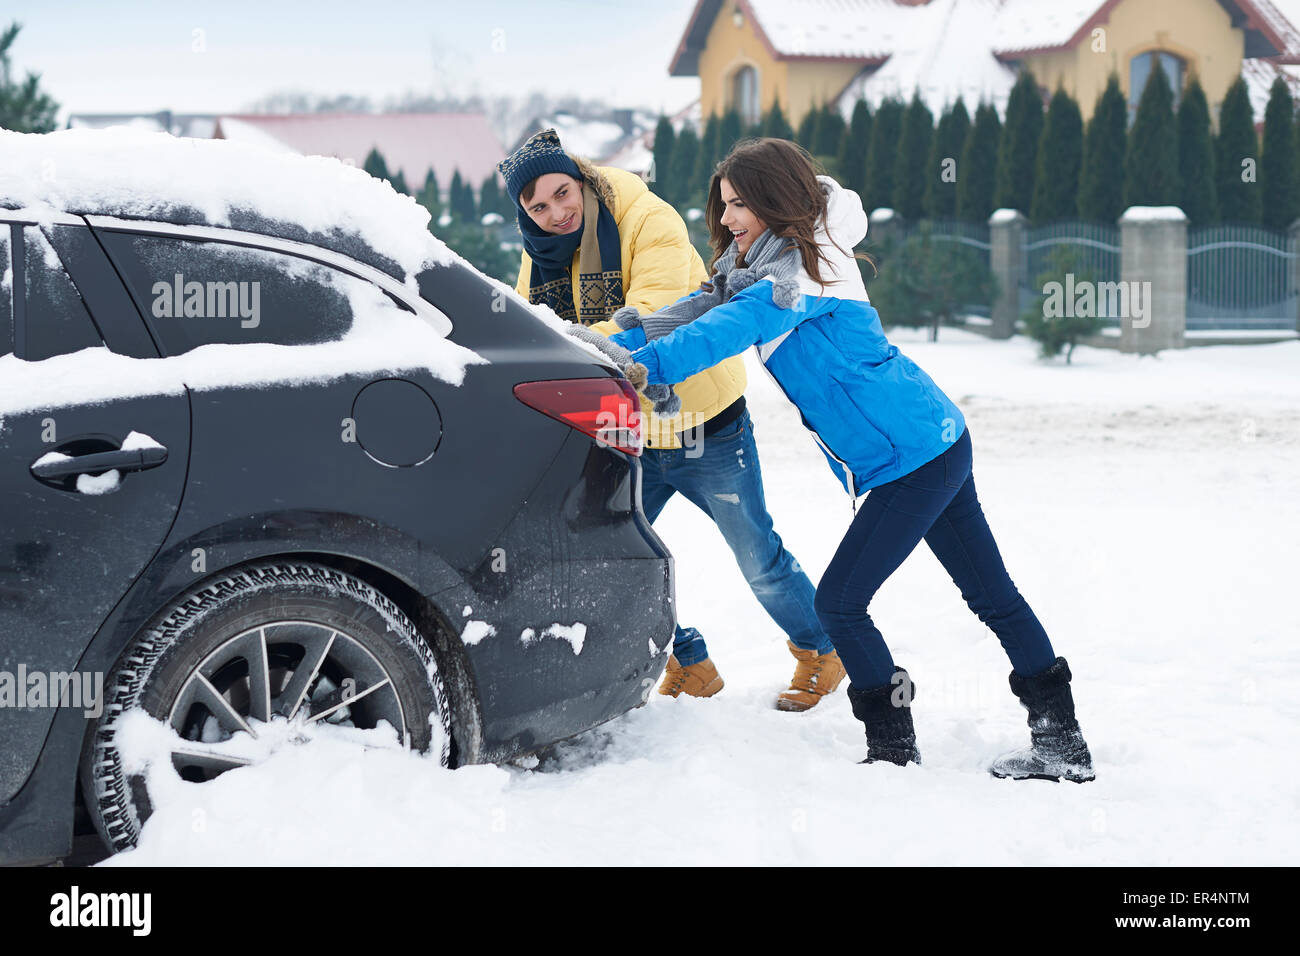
{"x":777,"y":180}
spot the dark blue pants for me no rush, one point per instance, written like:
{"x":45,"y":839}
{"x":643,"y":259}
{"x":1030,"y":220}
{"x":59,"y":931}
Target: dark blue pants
{"x":937,"y":503}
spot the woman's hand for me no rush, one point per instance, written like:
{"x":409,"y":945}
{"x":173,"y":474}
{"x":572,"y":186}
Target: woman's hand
{"x":664,"y":400}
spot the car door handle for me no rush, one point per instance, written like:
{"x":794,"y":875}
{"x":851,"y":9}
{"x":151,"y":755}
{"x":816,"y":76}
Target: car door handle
{"x":136,"y":459}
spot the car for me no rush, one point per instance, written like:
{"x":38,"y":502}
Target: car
{"x":263,"y":468}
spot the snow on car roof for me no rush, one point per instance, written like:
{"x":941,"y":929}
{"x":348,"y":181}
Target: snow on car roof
{"x":137,"y":174}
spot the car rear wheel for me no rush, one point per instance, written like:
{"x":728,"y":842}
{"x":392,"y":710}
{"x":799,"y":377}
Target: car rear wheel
{"x":261,"y":651}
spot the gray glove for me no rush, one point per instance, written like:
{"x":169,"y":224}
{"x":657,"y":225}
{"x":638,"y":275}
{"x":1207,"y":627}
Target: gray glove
{"x":665,"y":401}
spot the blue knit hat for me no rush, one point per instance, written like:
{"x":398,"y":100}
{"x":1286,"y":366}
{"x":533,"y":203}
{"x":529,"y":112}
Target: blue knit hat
{"x":540,"y":154}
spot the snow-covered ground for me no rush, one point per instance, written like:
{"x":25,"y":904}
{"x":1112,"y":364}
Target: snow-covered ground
{"x":1148,"y":509}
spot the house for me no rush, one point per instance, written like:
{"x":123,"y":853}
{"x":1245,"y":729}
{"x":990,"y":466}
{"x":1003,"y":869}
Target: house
{"x":803,"y":53}
{"x":412,"y":143}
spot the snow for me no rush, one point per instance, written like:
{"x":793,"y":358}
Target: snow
{"x":590,"y":138}
{"x":50,"y":458}
{"x":383,"y":338}
{"x":943,"y":50}
{"x":476,"y":631}
{"x":132,"y":173}
{"x":575,"y":634}
{"x":103,"y":484}
{"x":1005,"y":215}
{"x":240,"y":131}
{"x":1146,"y":507}
{"x":1033,"y":24}
{"x":881,"y":214}
{"x":1153,"y":214}
{"x":138,"y":440}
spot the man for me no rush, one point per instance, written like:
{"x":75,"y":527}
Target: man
{"x":597,"y":240}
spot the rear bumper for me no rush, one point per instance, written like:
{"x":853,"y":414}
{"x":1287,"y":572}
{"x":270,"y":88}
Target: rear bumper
{"x":569,"y":617}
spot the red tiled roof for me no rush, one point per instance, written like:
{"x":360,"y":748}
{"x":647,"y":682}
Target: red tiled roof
{"x":410,"y":142}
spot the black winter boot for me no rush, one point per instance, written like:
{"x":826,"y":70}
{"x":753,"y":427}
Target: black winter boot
{"x":886,"y":712}
{"x":1058,"y":749}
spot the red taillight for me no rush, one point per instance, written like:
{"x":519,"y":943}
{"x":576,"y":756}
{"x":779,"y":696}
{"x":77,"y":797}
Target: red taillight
{"x":607,"y":409}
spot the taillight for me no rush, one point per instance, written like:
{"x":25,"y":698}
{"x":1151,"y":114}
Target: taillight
{"x":607,"y":409}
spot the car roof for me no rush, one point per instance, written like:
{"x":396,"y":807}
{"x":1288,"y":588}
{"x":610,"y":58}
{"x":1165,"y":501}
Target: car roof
{"x":155,"y":177}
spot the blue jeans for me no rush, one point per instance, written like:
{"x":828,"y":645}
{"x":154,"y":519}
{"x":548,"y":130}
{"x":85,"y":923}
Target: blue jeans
{"x":936,"y":502}
{"x":724,"y":481}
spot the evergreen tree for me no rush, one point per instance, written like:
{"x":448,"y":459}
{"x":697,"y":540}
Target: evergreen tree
{"x":1101,"y":179}
{"x":977,"y":168}
{"x":926,"y":283}
{"x":807,"y":128}
{"x":398,"y":182}
{"x":886,"y":130}
{"x":943,"y":168}
{"x":461,"y":199}
{"x":1196,"y":157}
{"x":665,"y":139}
{"x":429,"y":197}
{"x":681,"y":191}
{"x":1018,"y":148}
{"x":852,"y":158}
{"x":909,"y":164}
{"x":491,"y":198}
{"x":828,"y":134}
{"x":1235,"y":178}
{"x":730,"y":131}
{"x":1049,"y":322}
{"x":775,"y":124}
{"x":1060,"y":154}
{"x":376,"y":166}
{"x":709,"y":154}
{"x":24,"y":107}
{"x":1151,"y":162}
{"x":1279,"y":185}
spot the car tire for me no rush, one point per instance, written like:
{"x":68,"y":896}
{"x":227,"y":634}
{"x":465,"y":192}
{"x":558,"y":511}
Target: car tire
{"x":237,"y":639}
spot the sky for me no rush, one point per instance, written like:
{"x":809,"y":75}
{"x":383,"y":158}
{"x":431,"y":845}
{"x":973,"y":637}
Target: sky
{"x":186,"y":56}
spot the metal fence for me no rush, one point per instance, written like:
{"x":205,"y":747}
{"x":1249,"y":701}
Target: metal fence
{"x":974,"y":235}
{"x":1240,"y":277}
{"x":1094,"y":250}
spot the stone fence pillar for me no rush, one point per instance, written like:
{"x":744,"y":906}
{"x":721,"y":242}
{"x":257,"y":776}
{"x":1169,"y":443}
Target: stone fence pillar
{"x":883,"y":224}
{"x":1006,"y":259}
{"x":1152,"y":298}
{"x":1295,"y":269}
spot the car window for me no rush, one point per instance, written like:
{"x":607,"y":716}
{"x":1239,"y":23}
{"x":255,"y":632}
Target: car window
{"x":196,"y":293}
{"x":56,"y":321}
{"x":6,"y":294}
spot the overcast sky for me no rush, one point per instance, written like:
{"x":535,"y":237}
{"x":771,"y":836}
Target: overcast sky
{"x":142,"y":55}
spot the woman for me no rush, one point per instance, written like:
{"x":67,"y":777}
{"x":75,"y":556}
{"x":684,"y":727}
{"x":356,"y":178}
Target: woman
{"x":784,"y":279}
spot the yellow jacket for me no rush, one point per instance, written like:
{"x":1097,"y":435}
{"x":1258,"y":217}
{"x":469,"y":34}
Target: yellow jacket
{"x":659,"y":267}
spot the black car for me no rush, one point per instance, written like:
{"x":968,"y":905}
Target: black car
{"x":468,"y":563}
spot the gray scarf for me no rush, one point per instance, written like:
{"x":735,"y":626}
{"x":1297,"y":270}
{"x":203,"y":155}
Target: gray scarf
{"x":770,"y":255}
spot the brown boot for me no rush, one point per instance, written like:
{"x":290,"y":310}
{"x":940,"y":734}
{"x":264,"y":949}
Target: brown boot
{"x":815,"y":676}
{"x":695,"y":680}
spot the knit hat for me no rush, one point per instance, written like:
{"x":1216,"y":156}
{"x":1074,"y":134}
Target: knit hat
{"x":540,"y":154}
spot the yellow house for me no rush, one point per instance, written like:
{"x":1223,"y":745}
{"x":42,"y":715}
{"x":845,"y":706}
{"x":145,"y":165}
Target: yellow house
{"x":803,"y":53}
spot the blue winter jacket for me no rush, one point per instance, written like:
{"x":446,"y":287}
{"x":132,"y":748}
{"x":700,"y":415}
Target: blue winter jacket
{"x":876,"y":415}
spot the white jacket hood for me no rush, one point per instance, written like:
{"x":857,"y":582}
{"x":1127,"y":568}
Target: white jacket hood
{"x":845,"y":227}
